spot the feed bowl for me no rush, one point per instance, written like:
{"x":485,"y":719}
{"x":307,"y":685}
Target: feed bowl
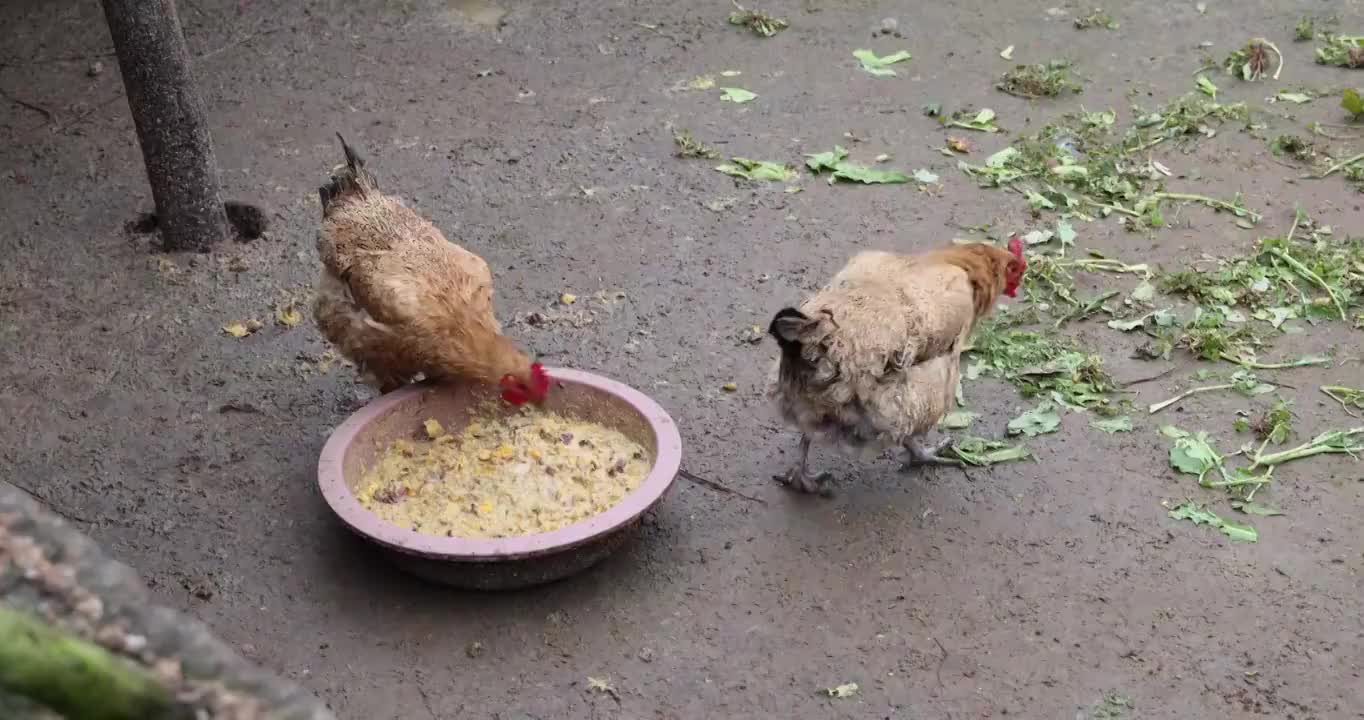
{"x":498,"y":563}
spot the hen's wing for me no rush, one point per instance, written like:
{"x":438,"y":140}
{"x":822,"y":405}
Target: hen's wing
{"x":397,"y":265}
{"x":883,"y":313}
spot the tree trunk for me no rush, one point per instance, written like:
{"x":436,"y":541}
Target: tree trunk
{"x":171,"y":124}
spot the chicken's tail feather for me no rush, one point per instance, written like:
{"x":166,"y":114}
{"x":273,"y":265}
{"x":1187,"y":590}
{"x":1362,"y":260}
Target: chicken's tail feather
{"x":787,"y":326}
{"x":351,"y":179}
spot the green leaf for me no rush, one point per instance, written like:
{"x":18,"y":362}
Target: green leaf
{"x":958,"y":420}
{"x":1065,"y":232}
{"x":1352,"y":102}
{"x":981,"y":452}
{"x":1208,"y":88}
{"x":842,"y":691}
{"x":1127,"y":325}
{"x":1192,"y":454}
{"x":863,"y":174}
{"x":1113,"y":425}
{"x":1199,"y":515}
{"x":879,"y":66}
{"x":1143,"y":293}
{"x":1251,"y":508}
{"x":1038,"y":421}
{"x":1293,"y":97}
{"x":736,"y":95}
{"x":758,"y":170}
{"x":925,"y":176}
{"x":819,"y":162}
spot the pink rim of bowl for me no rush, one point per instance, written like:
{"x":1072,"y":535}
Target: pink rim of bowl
{"x":332,"y":482}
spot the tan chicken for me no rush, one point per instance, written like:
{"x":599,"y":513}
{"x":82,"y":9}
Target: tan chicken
{"x":398,"y":299}
{"x":872,"y":360}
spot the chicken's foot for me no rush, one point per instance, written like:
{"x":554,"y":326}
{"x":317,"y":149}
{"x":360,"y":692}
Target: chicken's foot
{"x":800,"y":478}
{"x":919,"y":454}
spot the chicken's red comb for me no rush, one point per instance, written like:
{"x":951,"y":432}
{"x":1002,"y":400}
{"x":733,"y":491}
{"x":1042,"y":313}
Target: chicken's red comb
{"x":1016,"y":246}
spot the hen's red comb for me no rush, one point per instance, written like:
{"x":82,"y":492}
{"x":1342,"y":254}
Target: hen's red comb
{"x":1016,"y":246}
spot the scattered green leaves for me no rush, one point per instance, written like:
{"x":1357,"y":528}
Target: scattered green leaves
{"x":880,"y":66}
{"x":1038,"y":421}
{"x":1341,"y":51}
{"x":758,"y":170}
{"x":981,"y":452}
{"x":1200,"y":515}
{"x":760,"y":23}
{"x":1041,"y":365}
{"x":1041,"y":80}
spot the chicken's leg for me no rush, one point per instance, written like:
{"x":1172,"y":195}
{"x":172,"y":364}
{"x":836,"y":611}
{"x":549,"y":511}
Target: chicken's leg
{"x":800,"y":478}
{"x":919,"y":454}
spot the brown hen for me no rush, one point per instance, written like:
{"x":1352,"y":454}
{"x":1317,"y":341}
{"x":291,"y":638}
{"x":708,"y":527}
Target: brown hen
{"x":399,"y":300}
{"x":872,"y":360}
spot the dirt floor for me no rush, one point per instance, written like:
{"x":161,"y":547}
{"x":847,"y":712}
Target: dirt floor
{"x":539,"y":135}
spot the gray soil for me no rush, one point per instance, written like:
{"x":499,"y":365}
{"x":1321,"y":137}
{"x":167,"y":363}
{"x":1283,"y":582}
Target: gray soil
{"x":541,"y":138}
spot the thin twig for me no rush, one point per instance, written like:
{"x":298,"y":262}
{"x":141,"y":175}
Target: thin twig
{"x":1157,"y":376}
{"x":713,"y":485}
{"x":941,"y":662}
{"x":26,"y":104}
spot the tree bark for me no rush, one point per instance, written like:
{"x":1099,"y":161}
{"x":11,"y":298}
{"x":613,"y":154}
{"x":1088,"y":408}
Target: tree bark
{"x":172,"y":127}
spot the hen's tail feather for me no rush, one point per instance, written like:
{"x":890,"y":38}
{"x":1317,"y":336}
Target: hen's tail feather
{"x":351,"y":179}
{"x":786,"y":327}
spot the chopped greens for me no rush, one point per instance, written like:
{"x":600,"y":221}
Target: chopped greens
{"x":689,"y":147}
{"x":1078,"y":166}
{"x":879,"y":66}
{"x":760,"y":23}
{"x":1041,"y":80}
{"x":1043,"y":366}
{"x":1306,"y":29}
{"x":1096,"y":18}
{"x":982,"y":120}
{"x":1200,"y":515}
{"x":1341,"y":51}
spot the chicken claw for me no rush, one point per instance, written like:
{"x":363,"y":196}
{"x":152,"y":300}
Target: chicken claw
{"x":800,"y":478}
{"x":919,"y":454}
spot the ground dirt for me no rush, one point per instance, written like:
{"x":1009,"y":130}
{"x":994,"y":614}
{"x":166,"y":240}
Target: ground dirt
{"x":539,"y":135}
